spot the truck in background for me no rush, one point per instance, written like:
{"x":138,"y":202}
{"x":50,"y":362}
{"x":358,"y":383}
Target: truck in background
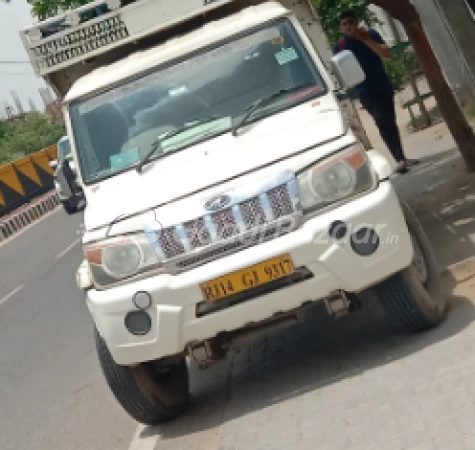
{"x":226,"y":193}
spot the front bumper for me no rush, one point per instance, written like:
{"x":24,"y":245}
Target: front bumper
{"x":334,"y":266}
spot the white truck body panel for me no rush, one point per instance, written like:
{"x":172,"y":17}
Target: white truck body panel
{"x":66,"y":55}
{"x":213,"y":32}
{"x":82,"y":41}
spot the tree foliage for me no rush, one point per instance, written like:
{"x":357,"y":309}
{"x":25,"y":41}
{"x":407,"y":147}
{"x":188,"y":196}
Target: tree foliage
{"x":49,"y":8}
{"x":329,"y":12}
{"x":43,"y":9}
{"x":23,"y":137}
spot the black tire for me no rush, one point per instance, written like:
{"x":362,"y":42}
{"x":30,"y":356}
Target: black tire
{"x":414,"y":299}
{"x":68,"y":208}
{"x":150,"y":398}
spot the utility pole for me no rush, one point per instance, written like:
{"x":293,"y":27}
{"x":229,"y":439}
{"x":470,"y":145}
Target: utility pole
{"x":32,"y":105}
{"x":404,"y":11}
{"x":17,"y":102}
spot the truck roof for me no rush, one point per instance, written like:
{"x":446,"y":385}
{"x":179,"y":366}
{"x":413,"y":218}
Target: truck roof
{"x":142,"y":61}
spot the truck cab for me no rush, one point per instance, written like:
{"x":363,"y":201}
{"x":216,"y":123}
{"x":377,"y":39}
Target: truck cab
{"x":226,"y":194}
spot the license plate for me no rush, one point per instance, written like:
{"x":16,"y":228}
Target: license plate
{"x":249,"y":278}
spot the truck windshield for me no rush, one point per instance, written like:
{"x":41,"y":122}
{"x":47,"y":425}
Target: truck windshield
{"x":203,"y":96}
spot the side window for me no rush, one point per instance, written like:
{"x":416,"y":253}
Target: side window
{"x":87,"y":155}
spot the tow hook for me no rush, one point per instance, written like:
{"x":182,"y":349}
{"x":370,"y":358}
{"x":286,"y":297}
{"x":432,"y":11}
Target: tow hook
{"x":206,"y":353}
{"x":340,"y":304}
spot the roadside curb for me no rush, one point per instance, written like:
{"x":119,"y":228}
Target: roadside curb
{"x":27,"y":214}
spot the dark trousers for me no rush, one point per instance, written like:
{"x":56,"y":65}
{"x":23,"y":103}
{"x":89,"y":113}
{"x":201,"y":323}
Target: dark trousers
{"x":381,"y":107}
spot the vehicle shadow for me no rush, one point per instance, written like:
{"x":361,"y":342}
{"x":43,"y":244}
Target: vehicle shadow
{"x":307,"y":357}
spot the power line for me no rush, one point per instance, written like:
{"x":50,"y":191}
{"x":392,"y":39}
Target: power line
{"x":14,"y":62}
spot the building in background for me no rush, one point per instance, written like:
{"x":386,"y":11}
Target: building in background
{"x":52,"y":105}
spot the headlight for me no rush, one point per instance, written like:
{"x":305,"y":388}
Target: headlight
{"x":120,"y":257}
{"x":334,"y":179}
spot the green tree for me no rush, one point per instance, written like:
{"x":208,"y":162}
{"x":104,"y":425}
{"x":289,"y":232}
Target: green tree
{"x":27,"y":136}
{"x":49,"y":8}
{"x":42,"y":9}
{"x":329,"y":12}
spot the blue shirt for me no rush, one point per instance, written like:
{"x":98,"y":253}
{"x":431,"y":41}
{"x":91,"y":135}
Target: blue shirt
{"x":377,"y":79}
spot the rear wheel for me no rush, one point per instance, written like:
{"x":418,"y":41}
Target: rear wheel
{"x":414,"y":298}
{"x":149,"y":393}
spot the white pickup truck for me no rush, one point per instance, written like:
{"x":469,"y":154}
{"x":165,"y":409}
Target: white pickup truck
{"x":225,"y":192}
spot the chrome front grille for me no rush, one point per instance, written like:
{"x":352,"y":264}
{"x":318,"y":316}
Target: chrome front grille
{"x":225,"y":224}
{"x":280,"y":201}
{"x":253,"y":214}
{"x":197,"y":233}
{"x":244,"y":223}
{"x":170,"y":243}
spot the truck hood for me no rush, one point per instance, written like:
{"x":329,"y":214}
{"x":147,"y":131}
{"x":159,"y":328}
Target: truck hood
{"x":213,"y":161}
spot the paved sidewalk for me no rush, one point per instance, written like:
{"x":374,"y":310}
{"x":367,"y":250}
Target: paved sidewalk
{"x":355,"y":383}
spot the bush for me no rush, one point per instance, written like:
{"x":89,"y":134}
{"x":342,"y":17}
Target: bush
{"x":396,"y":70}
{"x":398,"y":66}
{"x":23,"y":137}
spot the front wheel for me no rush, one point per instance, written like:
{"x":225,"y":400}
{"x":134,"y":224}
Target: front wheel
{"x":149,"y":393}
{"x":414,"y":298}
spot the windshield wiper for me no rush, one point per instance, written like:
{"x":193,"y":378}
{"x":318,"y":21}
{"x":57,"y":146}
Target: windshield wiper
{"x":263,"y":101}
{"x":156,"y":144}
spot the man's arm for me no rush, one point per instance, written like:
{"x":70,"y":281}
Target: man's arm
{"x":375,"y":42}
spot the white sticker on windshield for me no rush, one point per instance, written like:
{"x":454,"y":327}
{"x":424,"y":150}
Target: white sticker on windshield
{"x":124,"y":159}
{"x":177,"y":91}
{"x":286,"y":55}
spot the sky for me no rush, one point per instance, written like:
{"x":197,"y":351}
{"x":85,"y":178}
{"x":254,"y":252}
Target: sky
{"x":19,"y":77}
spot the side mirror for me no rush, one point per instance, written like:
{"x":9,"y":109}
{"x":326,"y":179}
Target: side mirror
{"x":66,"y":178}
{"x":347,"y":69}
{"x":53,"y":164}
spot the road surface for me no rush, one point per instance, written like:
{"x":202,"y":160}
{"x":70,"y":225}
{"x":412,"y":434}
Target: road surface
{"x":52,"y":393}
{"x":324,"y":385}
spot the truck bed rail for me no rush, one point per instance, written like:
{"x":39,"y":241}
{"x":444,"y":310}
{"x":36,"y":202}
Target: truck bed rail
{"x":100,"y":26}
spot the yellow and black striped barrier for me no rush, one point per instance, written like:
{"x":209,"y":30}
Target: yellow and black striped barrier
{"x":26,"y":178}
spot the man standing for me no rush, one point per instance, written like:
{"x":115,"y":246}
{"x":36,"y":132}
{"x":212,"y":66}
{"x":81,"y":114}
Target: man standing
{"x":376,"y":93}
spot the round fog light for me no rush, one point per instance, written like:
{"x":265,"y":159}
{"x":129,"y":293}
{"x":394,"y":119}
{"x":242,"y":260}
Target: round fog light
{"x":338,"y":230}
{"x":142,"y":300}
{"x":138,"y":322}
{"x":365,"y":242}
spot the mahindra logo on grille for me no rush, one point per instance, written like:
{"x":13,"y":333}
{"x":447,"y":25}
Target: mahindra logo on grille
{"x":217,"y":203}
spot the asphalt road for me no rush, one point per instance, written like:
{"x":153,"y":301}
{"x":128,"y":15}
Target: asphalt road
{"x":52,"y":393}
{"x":353,"y":383}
